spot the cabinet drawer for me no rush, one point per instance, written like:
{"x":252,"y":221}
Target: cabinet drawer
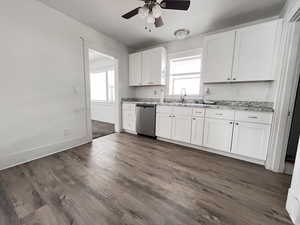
{"x":254,"y":117}
{"x":129,"y":107}
{"x":198,"y":112}
{"x":220,"y":114}
{"x":182,"y":111}
{"x":164,"y":109}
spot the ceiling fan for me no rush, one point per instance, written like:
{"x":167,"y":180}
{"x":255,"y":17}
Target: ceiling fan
{"x":152,"y":10}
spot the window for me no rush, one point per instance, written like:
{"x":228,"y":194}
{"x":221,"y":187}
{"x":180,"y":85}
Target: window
{"x":185,"y":75}
{"x":103,"y":86}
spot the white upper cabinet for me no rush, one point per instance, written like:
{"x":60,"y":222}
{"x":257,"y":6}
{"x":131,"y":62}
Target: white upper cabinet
{"x":135,"y":69}
{"x":255,"y":52}
{"x":148,"y":67}
{"x":218,"y":57}
{"x":251,"y":140}
{"x":246,"y":54}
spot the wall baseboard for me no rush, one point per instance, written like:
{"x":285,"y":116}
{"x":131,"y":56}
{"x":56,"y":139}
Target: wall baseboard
{"x":293,"y":207}
{"x":227,"y":154}
{"x":40,"y":152}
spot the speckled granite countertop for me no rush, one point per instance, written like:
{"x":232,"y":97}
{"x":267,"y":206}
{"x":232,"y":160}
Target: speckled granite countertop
{"x":231,"y":105}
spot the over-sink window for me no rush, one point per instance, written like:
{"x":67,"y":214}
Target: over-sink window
{"x":185,"y":75}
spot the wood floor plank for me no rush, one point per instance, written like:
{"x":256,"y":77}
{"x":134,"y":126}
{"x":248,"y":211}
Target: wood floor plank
{"x":7,"y":212}
{"x":125,"y":179}
{"x":20,"y":191}
{"x":188,"y":194}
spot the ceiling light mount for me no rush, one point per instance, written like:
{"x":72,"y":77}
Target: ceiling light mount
{"x":181,"y":34}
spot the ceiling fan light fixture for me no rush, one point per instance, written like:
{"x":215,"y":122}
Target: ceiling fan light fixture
{"x":181,"y":34}
{"x":150,"y":18}
{"x":156,"y":10}
{"x":144,"y":12}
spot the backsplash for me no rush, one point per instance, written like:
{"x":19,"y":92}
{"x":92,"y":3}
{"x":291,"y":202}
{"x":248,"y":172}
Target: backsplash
{"x":250,"y":91}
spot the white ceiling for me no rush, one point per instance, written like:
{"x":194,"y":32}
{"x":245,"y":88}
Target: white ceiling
{"x":203,"y":16}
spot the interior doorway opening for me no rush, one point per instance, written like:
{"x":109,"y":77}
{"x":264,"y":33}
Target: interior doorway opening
{"x":294,"y":106}
{"x":102,"y":76}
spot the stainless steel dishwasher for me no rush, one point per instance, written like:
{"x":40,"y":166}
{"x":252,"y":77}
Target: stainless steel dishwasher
{"x":146,"y":119}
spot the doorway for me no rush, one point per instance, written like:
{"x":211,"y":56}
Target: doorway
{"x":102,"y":72}
{"x":294,"y":108}
{"x":295,"y":130}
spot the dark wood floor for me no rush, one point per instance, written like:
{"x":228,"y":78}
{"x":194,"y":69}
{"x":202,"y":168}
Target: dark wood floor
{"x":126,"y":179}
{"x":100,"y":129}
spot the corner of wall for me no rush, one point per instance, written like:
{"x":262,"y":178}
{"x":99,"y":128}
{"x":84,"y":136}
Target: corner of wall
{"x":293,"y":207}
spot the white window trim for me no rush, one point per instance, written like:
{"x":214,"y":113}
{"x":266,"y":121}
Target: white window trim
{"x":184,"y":54}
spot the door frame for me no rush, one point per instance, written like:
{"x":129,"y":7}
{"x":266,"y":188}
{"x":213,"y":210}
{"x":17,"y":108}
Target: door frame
{"x":117,"y":108}
{"x":288,"y":76}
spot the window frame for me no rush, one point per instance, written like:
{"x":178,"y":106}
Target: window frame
{"x":186,"y":54}
{"x":106,"y":71}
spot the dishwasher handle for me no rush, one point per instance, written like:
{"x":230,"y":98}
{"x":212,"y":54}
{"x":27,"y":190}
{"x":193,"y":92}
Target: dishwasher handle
{"x":145,"y":105}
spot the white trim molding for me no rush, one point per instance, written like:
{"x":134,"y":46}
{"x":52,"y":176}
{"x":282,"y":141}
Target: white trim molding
{"x":286,"y":73}
{"x":15,"y":159}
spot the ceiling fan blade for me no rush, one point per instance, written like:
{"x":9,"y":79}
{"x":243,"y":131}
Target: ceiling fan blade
{"x":159,"y":22}
{"x":131,"y":13}
{"x":176,"y":4}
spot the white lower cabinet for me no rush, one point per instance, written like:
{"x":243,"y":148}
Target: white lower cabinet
{"x":181,"y":128}
{"x":129,"y":117}
{"x":163,"y":125}
{"x":218,"y":134}
{"x":197,"y":131}
{"x":251,"y":140}
{"x":243,"y":133}
{"x":174,"y":123}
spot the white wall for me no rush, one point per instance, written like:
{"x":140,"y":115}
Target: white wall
{"x":104,"y":112}
{"x":42,"y":83}
{"x":262,"y":91}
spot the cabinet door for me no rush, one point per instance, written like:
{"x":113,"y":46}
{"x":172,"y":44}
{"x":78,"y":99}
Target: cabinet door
{"x":154,"y":67}
{"x":255,"y":52}
{"x":129,"y":120}
{"x":218,"y":57}
{"x":197,"y":131}
{"x":181,"y":129}
{"x":135,"y":69}
{"x":251,"y":140}
{"x":163,"y":125}
{"x":125,"y":120}
{"x":218,"y":134}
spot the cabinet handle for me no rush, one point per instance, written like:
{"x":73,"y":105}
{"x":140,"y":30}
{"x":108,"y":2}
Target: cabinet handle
{"x":228,"y":78}
{"x":219,"y":114}
{"x":194,"y":119}
{"x":234,"y":79}
{"x":237,"y":124}
{"x":252,"y":117}
{"x":231,"y":123}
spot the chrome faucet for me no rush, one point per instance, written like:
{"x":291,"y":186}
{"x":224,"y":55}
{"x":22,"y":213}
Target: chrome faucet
{"x":182,"y":95}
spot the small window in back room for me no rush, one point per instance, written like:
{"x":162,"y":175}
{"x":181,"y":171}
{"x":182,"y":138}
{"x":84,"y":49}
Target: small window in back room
{"x":185,"y":75}
{"x":103,"y":86}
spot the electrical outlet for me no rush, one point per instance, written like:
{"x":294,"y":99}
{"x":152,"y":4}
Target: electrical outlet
{"x":67,"y":132}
